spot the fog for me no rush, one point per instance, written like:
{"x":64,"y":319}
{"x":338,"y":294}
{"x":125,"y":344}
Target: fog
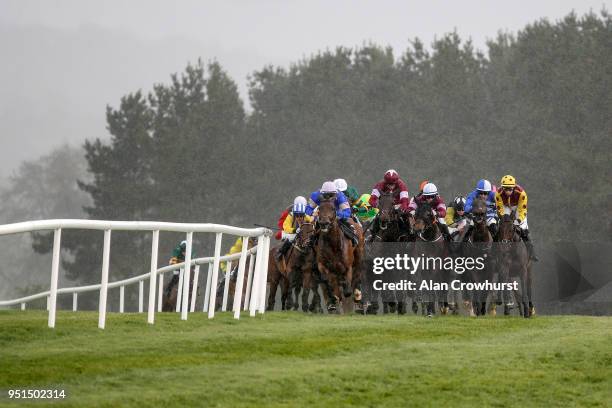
{"x":64,"y":61}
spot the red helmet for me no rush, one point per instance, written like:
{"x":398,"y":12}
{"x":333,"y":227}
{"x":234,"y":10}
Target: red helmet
{"x":391,"y":177}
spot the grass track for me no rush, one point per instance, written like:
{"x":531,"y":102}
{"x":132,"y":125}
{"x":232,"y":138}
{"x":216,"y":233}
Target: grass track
{"x":291,"y":359}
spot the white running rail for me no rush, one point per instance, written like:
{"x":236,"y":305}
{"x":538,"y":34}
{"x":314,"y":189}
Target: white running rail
{"x":256,"y":279}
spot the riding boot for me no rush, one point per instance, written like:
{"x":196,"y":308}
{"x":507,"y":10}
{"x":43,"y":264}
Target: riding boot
{"x":468,"y":233}
{"x":374,"y":230}
{"x":529,"y":245}
{"x":349,"y":231}
{"x":283,"y":249}
{"x":493,"y":230}
{"x":444,"y":231}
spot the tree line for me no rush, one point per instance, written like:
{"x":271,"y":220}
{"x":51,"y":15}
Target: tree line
{"x":536,"y":104}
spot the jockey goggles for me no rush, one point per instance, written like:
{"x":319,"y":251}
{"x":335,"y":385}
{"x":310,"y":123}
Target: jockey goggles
{"x":328,"y":195}
{"x":430,"y":197}
{"x":508,"y":188}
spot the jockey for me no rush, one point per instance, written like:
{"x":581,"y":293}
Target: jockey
{"x":394,"y":184}
{"x":431,"y":197}
{"x":292,"y":224}
{"x":178,"y":256}
{"x":455,"y":215}
{"x":329,"y":191}
{"x":512,"y":197}
{"x":363,"y":210}
{"x":237,"y":247}
{"x":349,"y":192}
{"x":484,"y":191}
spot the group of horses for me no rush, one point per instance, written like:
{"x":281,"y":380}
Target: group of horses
{"x":323,"y":260}
{"x":321,"y":256}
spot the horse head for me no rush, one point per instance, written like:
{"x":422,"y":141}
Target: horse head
{"x":304,"y":237}
{"x":386,"y":209}
{"x":327,"y":214}
{"x":479,"y":212}
{"x":423,"y":218}
{"x":506,"y":232}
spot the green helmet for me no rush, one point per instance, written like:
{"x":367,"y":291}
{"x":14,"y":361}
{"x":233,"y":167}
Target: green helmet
{"x":352,"y":194}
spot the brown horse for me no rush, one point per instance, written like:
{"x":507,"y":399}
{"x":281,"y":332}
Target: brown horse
{"x":479,"y":243}
{"x":430,"y":244}
{"x":391,"y":227}
{"x":513,"y":260}
{"x":338,"y":260}
{"x":171,"y":292}
{"x":278,"y":274}
{"x":302,"y":269}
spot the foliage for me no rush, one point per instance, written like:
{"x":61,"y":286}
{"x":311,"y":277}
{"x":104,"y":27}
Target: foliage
{"x":536,"y":105}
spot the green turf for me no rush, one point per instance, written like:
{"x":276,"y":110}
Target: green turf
{"x":291,"y":359}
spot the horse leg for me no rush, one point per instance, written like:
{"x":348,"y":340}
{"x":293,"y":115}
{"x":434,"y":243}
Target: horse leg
{"x":524,"y":285}
{"x":272,"y":294}
{"x":284,"y":293}
{"x":305,"y":291}
{"x":532,"y":310}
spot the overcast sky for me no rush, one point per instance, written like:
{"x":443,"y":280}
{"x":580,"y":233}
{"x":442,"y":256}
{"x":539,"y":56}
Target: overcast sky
{"x":64,"y":61}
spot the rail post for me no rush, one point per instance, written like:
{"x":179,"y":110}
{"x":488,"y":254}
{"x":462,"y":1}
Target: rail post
{"x":104,"y":283}
{"x":215,"y":276}
{"x":52,"y":298}
{"x":153,"y":277}
{"x":240,"y":278}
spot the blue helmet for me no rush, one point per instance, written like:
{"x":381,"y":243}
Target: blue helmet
{"x":299,"y":209}
{"x":484,"y":186}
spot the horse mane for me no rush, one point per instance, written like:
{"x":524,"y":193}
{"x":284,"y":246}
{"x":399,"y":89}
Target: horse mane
{"x":423,"y":211}
{"x":479,"y":205}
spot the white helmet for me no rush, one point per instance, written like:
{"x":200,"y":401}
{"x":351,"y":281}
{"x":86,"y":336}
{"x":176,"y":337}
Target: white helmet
{"x":430,"y":189}
{"x":341,"y":184}
{"x":329,"y":187}
{"x":299,"y":200}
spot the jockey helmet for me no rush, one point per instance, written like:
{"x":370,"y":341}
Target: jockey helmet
{"x":300,"y":200}
{"x":508,"y":181}
{"x":183,"y":244}
{"x":391,"y":176}
{"x":341,"y":184}
{"x":422,"y":185}
{"x":430,"y":190}
{"x":459,"y":203}
{"x":329,"y":187}
{"x":299,"y":209}
{"x":483,"y":186}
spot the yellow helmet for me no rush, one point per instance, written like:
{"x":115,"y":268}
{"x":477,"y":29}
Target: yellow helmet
{"x":508,"y":181}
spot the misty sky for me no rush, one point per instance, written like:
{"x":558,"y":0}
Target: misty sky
{"x":64,"y":61}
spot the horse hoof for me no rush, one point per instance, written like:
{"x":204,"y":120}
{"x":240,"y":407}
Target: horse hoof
{"x":493,"y":312}
{"x":532,"y":311}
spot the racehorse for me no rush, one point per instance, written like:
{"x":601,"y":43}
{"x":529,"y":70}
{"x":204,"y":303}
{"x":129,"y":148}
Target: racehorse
{"x":430,"y":244}
{"x":513,"y":260}
{"x":338,"y":260}
{"x":278,"y":274}
{"x":391,"y":228}
{"x":302,"y":269}
{"x":478,"y":243}
{"x":171,"y":293}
